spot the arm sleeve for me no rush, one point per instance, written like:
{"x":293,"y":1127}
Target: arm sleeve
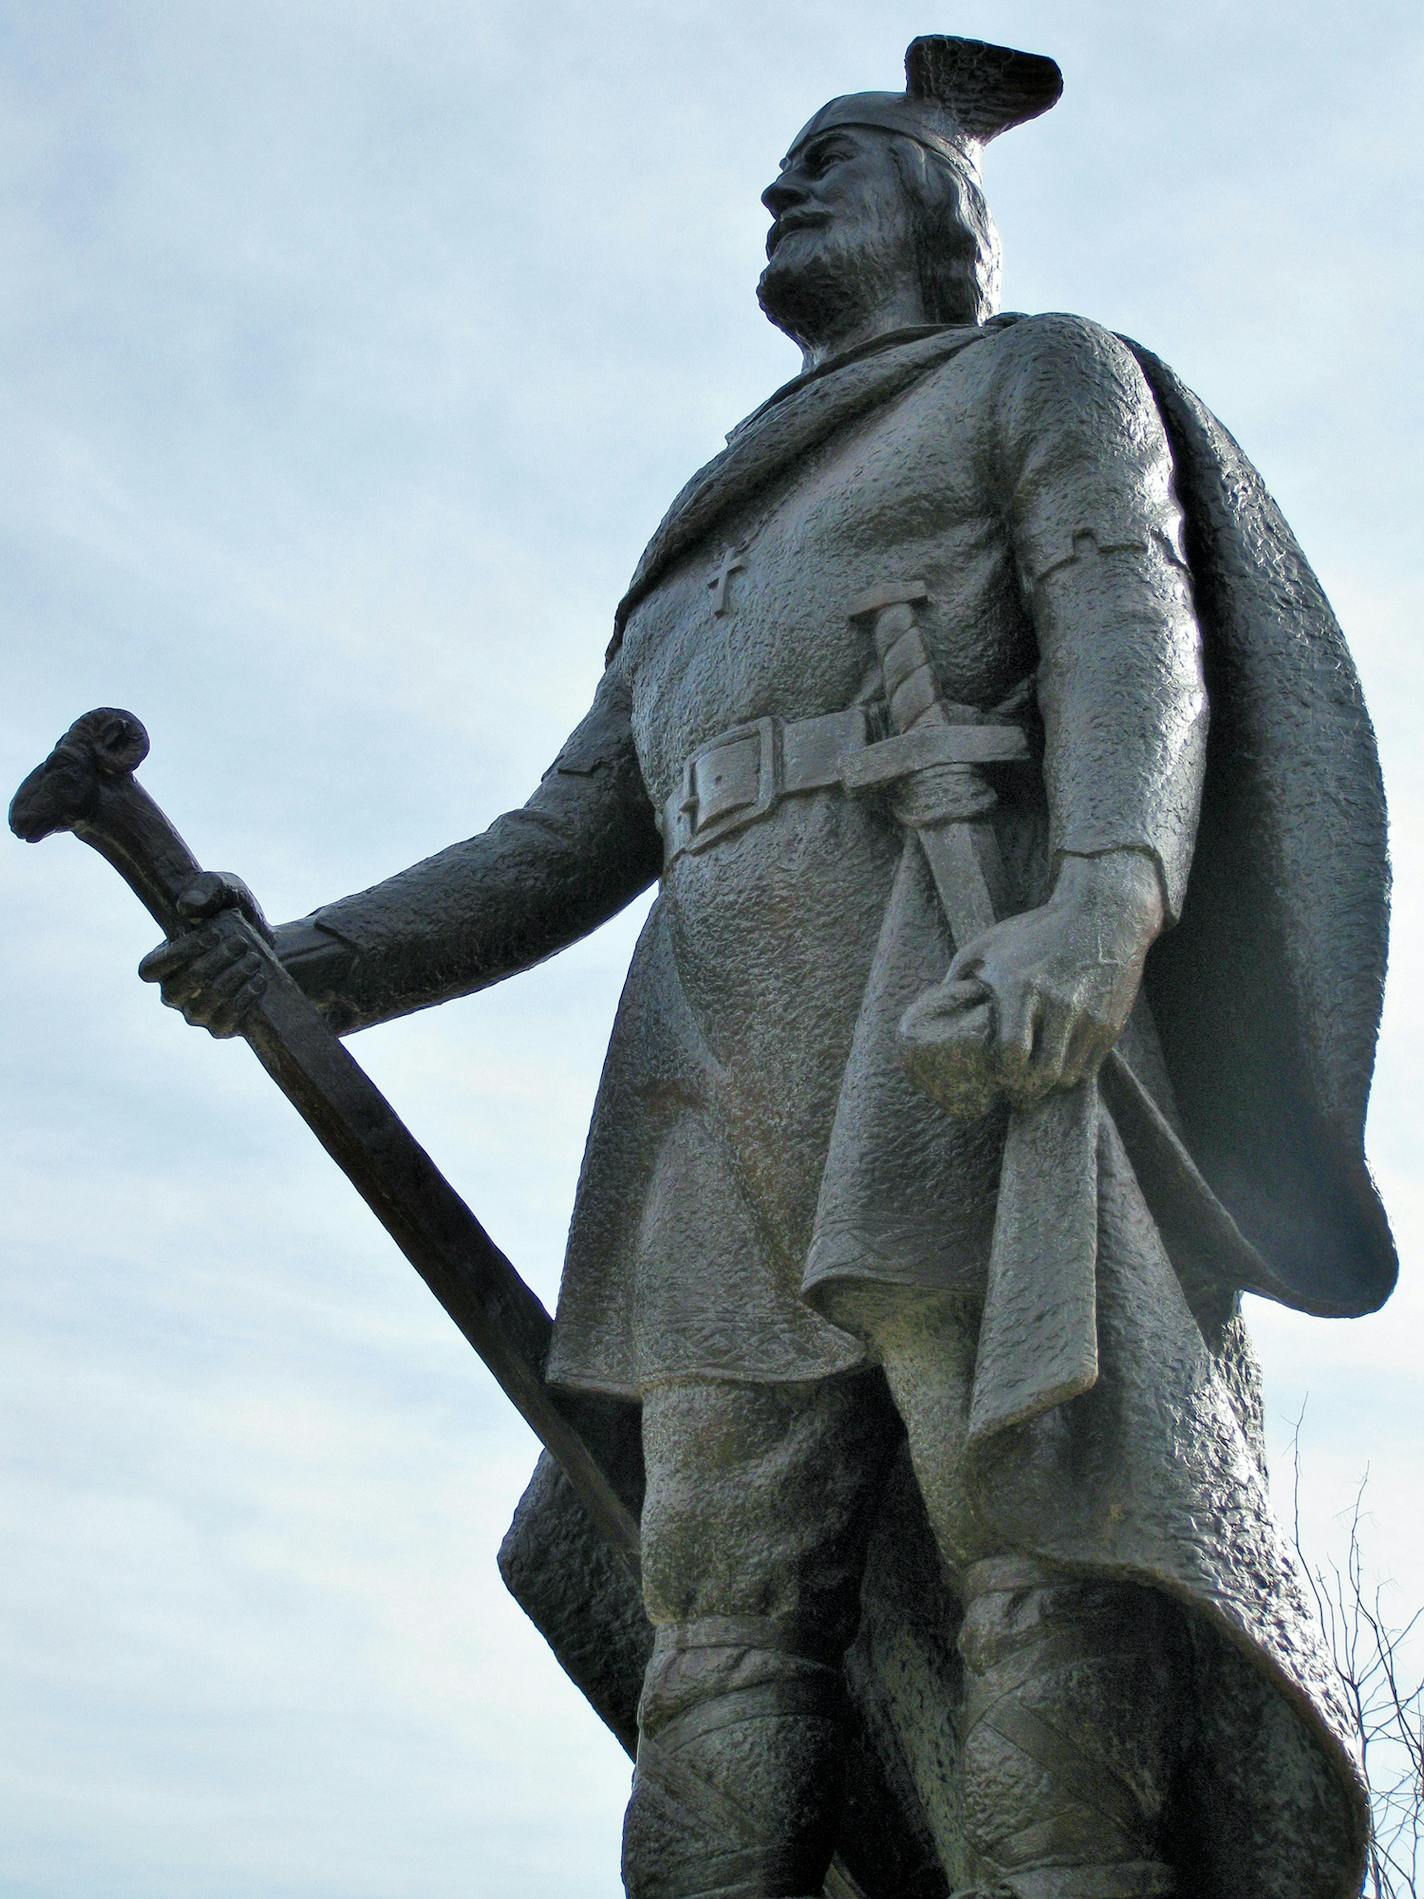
{"x":537,"y":880}
{"x":1096,"y":530}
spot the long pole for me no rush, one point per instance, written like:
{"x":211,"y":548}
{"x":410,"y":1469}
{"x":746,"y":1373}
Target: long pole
{"x":87,"y":786}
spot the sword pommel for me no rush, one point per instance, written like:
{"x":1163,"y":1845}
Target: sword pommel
{"x":890,"y":593}
{"x":63,"y":792}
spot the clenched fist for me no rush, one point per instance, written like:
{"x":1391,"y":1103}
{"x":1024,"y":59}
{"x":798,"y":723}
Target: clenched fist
{"x":1036,"y":1001}
{"x":210,"y":974}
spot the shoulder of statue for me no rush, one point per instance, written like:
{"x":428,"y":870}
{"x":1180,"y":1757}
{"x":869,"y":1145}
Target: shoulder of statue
{"x":1054,"y":343}
{"x":1057,"y":371}
{"x":1015,"y":353}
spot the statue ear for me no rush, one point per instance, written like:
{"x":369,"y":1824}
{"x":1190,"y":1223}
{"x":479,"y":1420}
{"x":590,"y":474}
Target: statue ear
{"x":116,"y":740}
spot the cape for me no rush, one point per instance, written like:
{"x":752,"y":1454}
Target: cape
{"x":1266,"y":996}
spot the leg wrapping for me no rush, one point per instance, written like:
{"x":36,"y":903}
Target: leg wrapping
{"x":1068,"y":1717}
{"x":734,"y":1795}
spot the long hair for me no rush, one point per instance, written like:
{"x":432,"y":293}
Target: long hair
{"x":957,"y":242}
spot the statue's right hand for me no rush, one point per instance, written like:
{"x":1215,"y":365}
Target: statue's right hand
{"x":210,"y":974}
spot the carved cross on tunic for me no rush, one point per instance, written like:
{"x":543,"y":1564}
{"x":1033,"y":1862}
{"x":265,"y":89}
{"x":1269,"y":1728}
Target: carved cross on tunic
{"x":720,"y":581}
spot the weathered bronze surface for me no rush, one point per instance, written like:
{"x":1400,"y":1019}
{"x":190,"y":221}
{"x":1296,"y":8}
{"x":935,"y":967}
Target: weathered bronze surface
{"x":1007,"y":1009}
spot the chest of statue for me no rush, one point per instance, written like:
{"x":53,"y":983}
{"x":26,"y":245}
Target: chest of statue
{"x":754,"y":623}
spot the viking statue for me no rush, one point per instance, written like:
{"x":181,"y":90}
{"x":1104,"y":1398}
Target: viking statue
{"x":1005,"y":1012}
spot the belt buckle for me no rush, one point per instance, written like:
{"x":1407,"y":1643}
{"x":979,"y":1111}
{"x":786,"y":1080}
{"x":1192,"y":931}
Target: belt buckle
{"x":701,"y":834}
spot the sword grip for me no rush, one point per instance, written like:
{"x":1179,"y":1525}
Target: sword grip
{"x":911,"y":690}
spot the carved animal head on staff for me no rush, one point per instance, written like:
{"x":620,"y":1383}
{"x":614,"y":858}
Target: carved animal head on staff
{"x":63,"y":791}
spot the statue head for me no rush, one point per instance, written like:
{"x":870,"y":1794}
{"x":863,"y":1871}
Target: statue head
{"x":880,"y":203}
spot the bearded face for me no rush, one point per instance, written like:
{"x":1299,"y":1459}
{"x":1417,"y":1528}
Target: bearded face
{"x":841,"y":246}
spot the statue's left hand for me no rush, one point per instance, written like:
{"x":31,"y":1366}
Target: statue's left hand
{"x":1059,"y":983}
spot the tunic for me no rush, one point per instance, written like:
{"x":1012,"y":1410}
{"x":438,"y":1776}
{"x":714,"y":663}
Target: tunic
{"x":755,"y":1138}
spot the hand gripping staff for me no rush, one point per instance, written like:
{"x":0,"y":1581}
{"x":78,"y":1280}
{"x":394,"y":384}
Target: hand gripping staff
{"x":86,"y":786}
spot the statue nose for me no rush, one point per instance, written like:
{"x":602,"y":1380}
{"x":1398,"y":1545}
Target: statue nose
{"x":780,"y":195}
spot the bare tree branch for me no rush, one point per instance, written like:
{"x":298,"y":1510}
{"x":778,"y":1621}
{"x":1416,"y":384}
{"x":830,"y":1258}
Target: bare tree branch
{"x":1388,"y":1705}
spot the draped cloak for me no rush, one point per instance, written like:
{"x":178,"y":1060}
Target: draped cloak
{"x":1265,"y":999}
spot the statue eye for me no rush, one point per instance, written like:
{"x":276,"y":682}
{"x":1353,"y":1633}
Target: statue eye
{"x":821,"y":157}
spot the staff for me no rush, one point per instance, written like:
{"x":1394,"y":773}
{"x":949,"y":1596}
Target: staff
{"x":86,"y":786}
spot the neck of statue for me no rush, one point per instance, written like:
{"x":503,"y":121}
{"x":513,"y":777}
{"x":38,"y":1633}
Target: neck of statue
{"x":903,"y":309}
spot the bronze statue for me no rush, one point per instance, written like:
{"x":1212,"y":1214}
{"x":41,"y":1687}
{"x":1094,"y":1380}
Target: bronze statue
{"x":1007,"y":1009}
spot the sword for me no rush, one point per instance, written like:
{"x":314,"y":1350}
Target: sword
{"x":1038,"y":1336}
{"x":86,"y":786}
{"x":1038,"y":1340}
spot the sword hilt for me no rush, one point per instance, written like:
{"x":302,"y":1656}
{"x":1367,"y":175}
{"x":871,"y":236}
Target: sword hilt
{"x":945,"y":799}
{"x":911,"y":691}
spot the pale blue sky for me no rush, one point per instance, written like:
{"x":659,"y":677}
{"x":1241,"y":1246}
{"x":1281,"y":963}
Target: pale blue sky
{"x":352,"y":352}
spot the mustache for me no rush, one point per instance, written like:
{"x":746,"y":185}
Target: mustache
{"x":799,"y":220}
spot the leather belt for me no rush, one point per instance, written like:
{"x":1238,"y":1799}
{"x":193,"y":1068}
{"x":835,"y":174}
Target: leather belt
{"x":743,"y":774}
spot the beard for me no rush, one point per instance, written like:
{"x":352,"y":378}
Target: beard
{"x":820,"y":283}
